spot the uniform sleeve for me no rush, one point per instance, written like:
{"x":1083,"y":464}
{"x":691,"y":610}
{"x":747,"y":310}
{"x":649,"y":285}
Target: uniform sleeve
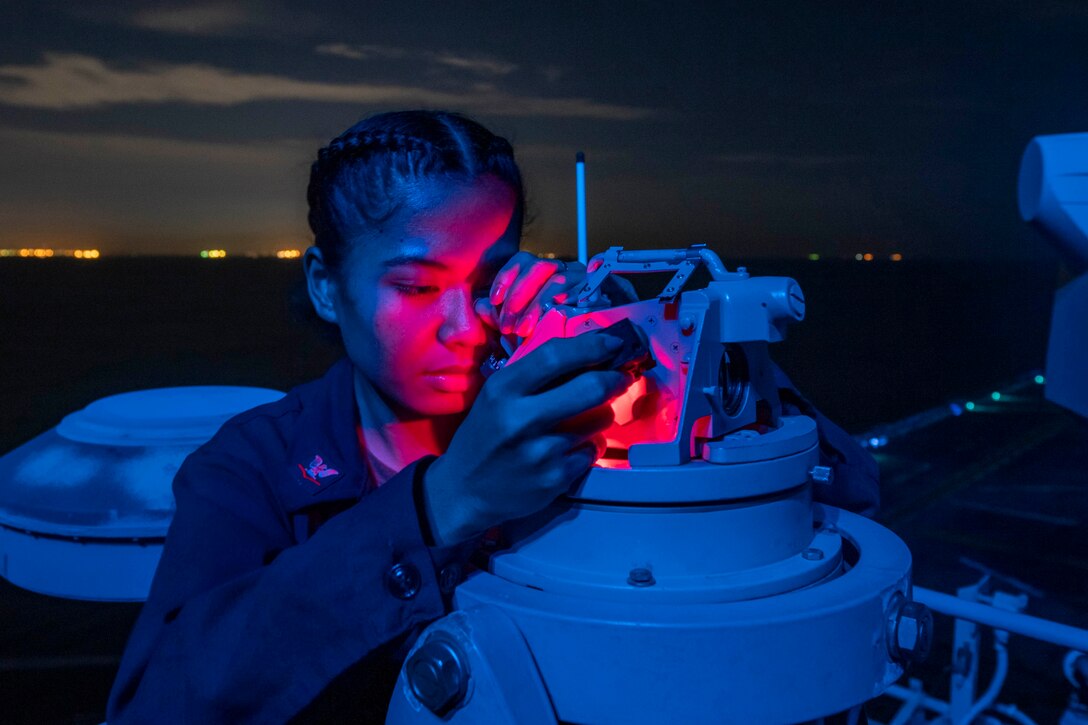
{"x":242,"y":625}
{"x":855,"y":484}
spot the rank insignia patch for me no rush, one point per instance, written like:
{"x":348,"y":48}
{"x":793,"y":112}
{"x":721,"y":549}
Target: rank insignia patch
{"x":317,"y":470}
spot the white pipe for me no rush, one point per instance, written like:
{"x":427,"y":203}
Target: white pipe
{"x":1014,"y":622}
{"x":906,"y":713}
{"x":1013,"y":713}
{"x":580,"y":191}
{"x":930,"y":703}
{"x":1000,"y":670}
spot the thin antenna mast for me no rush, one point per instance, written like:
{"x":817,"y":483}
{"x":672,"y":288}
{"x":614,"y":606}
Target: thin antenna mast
{"x":580,"y":184}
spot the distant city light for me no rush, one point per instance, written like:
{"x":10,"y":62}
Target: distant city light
{"x":213,"y":253}
{"x":995,"y":396}
{"x":548,"y":255}
{"x":969,"y":405}
{"x":813,"y":257}
{"x":868,"y":257}
{"x":956,"y":408}
{"x":859,"y":256}
{"x":288,"y":253}
{"x":1039,"y":380}
{"x":48,"y":253}
{"x":896,"y":257}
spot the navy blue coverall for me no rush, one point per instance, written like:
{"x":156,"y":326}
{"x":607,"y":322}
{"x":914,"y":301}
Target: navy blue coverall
{"x":287,"y":595}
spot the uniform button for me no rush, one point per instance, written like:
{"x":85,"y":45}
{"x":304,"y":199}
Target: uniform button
{"x":449,"y":577}
{"x":403,"y":581}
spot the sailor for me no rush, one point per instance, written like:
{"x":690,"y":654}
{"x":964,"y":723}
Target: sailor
{"x":316,"y":536}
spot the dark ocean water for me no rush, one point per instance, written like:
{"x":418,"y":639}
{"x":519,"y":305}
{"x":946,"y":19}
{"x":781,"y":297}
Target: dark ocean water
{"x":881,"y":340}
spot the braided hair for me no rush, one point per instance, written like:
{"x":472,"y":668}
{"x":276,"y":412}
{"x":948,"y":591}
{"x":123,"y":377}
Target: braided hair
{"x":359,"y":179}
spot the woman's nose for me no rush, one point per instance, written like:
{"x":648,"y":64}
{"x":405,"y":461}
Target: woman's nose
{"x":461,"y":325}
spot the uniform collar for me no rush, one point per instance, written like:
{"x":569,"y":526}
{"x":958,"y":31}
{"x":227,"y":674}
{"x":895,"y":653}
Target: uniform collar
{"x":324,"y":459}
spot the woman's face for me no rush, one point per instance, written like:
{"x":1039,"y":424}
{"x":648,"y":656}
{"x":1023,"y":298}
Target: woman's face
{"x":404,"y":297}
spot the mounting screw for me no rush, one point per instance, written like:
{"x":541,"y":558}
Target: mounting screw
{"x":438,"y":674}
{"x":909,"y":632}
{"x":812,"y":555}
{"x":641,"y":577}
{"x":821,"y":474}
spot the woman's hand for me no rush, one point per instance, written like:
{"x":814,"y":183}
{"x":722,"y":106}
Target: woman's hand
{"x":525,"y":288}
{"x":532,"y":432}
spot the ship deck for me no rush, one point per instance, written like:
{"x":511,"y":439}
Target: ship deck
{"x":1003,"y":486}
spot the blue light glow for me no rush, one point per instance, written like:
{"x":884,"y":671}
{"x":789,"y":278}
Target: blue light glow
{"x":995,"y":396}
{"x":956,"y":409}
{"x":969,"y":405}
{"x":1039,"y":379}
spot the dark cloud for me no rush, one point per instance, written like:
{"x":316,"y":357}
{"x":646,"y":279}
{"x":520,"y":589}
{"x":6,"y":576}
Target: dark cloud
{"x":480,"y":65}
{"x":67,"y":81}
{"x":751,"y":123}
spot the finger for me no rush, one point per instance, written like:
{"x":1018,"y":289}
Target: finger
{"x":572,"y":281}
{"x":567,"y":293}
{"x":522,"y":291}
{"x":578,"y":462}
{"x":588,"y":423}
{"x":524,"y":326}
{"x":506,"y":276}
{"x":558,"y":290}
{"x":601,"y":444}
{"x":487,"y":313}
{"x":536,"y":309}
{"x":557,"y":358}
{"x":596,"y":446}
{"x":585,"y":391}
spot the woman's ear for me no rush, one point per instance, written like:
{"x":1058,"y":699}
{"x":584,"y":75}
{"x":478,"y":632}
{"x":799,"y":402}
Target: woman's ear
{"x":320,"y":284}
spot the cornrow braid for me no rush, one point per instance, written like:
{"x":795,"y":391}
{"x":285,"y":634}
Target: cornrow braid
{"x":357,"y":180}
{"x":351,"y":145}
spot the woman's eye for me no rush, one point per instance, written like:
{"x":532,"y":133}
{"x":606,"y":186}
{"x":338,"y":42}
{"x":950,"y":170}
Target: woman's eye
{"x":412,"y":290}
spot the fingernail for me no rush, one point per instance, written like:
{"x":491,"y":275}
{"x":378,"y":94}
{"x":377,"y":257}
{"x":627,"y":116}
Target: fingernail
{"x":612,"y":343}
{"x":524,"y":328}
{"x":496,"y":295}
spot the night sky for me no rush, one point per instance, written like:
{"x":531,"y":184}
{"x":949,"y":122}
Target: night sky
{"x":764,"y":129}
